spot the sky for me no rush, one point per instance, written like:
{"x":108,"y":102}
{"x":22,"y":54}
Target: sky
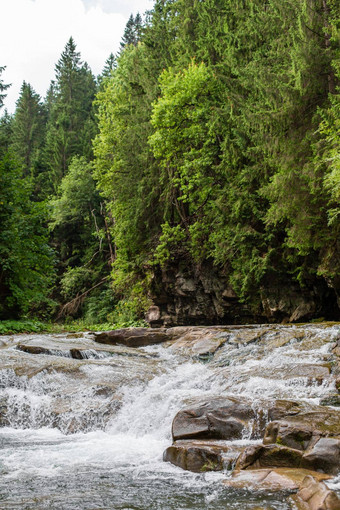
{"x":33,"y":33}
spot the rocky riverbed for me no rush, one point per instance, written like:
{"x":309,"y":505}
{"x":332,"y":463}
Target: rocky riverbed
{"x":207,"y":417}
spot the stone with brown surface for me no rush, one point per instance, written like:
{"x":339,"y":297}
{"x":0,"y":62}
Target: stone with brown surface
{"x":315,"y":495}
{"x":304,"y":429}
{"x":220,"y":418}
{"x":198,"y":456}
{"x":198,"y":342}
{"x":324,"y":455}
{"x":272,"y":456}
{"x":278,"y":479}
{"x":195,"y":457}
{"x":133,"y":337}
{"x":33,"y":349}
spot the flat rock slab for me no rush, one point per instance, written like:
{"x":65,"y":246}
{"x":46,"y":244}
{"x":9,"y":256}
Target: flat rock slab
{"x":315,"y":495}
{"x":197,"y":342}
{"x":280,"y":479}
{"x":133,"y":337}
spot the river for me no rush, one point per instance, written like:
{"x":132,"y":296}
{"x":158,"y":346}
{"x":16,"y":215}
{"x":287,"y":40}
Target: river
{"x":90,"y":433}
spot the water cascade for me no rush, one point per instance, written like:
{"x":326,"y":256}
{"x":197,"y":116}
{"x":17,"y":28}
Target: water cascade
{"x":84,"y":425}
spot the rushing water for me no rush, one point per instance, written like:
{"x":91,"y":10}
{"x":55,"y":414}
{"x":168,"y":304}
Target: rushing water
{"x":90,"y":433}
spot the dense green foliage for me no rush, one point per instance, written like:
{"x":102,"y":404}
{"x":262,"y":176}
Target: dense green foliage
{"x":214,"y":136}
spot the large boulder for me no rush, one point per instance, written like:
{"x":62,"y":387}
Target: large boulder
{"x":324,"y":455}
{"x":200,"y":456}
{"x":304,"y":429}
{"x":315,"y":495}
{"x":220,"y":418}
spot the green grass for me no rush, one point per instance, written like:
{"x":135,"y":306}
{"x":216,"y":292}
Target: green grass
{"x":11,"y":327}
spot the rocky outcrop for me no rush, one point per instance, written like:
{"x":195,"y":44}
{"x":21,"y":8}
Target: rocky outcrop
{"x":187,"y":295}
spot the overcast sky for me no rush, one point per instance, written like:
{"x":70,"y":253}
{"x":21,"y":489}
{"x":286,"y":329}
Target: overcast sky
{"x":33,"y":33}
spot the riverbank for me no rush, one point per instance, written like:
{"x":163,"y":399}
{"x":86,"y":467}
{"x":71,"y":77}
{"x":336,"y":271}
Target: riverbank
{"x":12,"y":327}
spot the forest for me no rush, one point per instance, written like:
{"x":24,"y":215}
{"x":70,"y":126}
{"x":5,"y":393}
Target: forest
{"x":211,"y":139}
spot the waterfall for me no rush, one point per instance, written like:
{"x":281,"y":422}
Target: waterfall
{"x":90,"y":432}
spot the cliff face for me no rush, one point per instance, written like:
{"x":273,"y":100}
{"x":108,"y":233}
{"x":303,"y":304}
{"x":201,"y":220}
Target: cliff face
{"x":184,"y":295}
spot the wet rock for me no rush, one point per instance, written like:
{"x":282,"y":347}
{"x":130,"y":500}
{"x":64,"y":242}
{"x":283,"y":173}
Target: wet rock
{"x":283,"y":408}
{"x":272,"y":456}
{"x":200,"y":455}
{"x":132,"y":337}
{"x":297,"y":436}
{"x":76,"y":354}
{"x":337,"y":384}
{"x":195,"y":457}
{"x":324,"y":456}
{"x":332,"y":400}
{"x":197,"y":342}
{"x":220,"y":418}
{"x":303,"y":429}
{"x":279,"y":479}
{"x":33,"y":349}
{"x":315,"y":495}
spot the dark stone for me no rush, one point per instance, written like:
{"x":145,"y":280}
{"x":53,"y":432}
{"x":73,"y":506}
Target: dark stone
{"x":133,"y":337}
{"x":272,"y":456}
{"x":221,"y":418}
{"x":185,"y":294}
{"x":33,"y":349}
{"x":76,"y":354}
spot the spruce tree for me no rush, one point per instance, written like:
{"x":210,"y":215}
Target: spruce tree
{"x":29,"y":130}
{"x":3,"y":87}
{"x":132,"y":32}
{"x":71,"y":124}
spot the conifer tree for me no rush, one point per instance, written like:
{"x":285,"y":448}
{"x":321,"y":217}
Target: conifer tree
{"x":3,"y":87}
{"x":132,"y":32}
{"x":71,"y":124}
{"x":29,"y":130}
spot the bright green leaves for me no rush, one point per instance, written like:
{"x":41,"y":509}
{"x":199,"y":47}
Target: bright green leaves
{"x":26,"y":260}
{"x":185,"y":143}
